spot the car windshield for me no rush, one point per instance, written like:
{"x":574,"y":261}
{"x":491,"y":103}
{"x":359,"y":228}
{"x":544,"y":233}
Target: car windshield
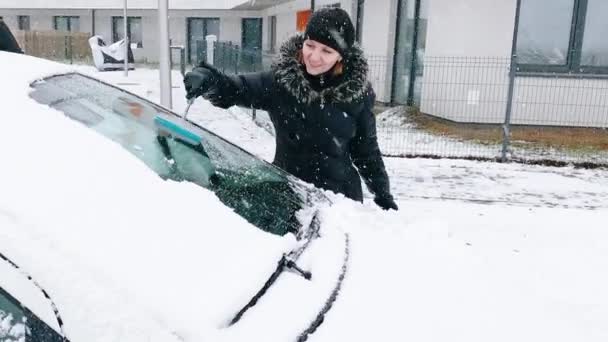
{"x":17,"y":323}
{"x":179,"y":150}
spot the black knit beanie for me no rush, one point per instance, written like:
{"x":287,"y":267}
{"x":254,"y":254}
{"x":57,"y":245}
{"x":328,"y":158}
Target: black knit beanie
{"x":331,"y":26}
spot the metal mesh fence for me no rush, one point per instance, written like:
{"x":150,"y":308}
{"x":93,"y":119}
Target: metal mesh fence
{"x":563,"y":119}
{"x":233,"y":59}
{"x":463,"y":112}
{"x":378,"y":76}
{"x":466,"y":96}
{"x":464,"y":109}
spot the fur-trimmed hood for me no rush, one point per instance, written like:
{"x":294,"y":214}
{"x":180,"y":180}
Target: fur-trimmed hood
{"x":290,"y":75}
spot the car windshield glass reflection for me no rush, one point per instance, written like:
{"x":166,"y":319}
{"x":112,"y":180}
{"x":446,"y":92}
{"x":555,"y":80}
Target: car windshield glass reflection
{"x":178,"y":150}
{"x":12,"y":320}
{"x":18,"y":324}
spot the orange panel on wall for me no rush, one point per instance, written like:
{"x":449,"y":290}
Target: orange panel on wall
{"x":302,"y":20}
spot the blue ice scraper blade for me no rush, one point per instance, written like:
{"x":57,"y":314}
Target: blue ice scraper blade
{"x":177,"y":131}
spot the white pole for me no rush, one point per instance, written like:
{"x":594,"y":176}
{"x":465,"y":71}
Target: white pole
{"x":211,"y":39}
{"x":164,"y":56}
{"x":124,"y":27}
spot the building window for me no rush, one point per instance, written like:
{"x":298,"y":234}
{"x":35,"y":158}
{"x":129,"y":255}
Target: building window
{"x":198,"y":30}
{"x":134,"y":30}
{"x":251,"y":33}
{"x":563,"y":36}
{"x":23,"y":22}
{"x":594,"y":50}
{"x":66,"y":24}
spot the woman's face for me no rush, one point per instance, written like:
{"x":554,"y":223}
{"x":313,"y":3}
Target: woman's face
{"x":319,"y":58}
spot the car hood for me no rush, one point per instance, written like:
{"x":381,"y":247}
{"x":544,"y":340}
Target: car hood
{"x":107,"y":238}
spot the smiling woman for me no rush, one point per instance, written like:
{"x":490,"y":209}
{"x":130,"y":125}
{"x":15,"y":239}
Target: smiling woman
{"x":320,"y":103}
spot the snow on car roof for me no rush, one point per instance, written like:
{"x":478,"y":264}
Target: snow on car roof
{"x":108,"y":238}
{"x":23,"y":69}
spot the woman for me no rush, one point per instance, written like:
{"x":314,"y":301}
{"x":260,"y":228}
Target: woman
{"x":320,"y":102}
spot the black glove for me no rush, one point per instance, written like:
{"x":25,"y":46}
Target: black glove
{"x":386,"y":202}
{"x":203,"y":80}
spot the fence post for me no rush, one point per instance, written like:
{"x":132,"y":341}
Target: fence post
{"x":237,"y":54}
{"x":211,"y":40}
{"x":66,"y":44}
{"x":254,"y":59}
{"x":506,"y":127}
{"x":182,"y":58}
{"x":222,"y":61}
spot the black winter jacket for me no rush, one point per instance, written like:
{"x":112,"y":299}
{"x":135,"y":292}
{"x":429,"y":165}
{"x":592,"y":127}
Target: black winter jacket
{"x":321,"y":130}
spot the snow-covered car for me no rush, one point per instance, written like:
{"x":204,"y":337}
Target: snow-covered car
{"x":122,"y":221}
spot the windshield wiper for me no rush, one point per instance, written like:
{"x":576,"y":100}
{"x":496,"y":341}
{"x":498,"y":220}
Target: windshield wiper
{"x":287,"y":262}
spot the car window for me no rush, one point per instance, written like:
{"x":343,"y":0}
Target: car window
{"x":18,"y":324}
{"x":179,"y":150}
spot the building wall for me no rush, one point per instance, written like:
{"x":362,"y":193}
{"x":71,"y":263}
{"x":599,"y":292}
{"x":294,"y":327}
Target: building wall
{"x":42,"y":19}
{"x":378,"y":42}
{"x":230,"y":24}
{"x":286,"y":26}
{"x":466,"y":72}
{"x":460,"y":81}
{"x":286,"y":15}
{"x":561,"y":102}
{"x":459,"y":26}
{"x":376,"y":39}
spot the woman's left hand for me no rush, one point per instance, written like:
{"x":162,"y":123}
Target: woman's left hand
{"x":386,"y":203}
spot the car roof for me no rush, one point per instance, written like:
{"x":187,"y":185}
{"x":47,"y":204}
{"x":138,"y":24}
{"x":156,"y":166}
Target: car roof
{"x":24,"y":69}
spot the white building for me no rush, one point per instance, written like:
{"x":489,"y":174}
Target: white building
{"x":561,"y":76}
{"x":449,"y":57}
{"x":261,"y":23}
{"x":242,"y":22}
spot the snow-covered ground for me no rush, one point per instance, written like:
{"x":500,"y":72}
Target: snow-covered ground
{"x":454,"y":180}
{"x":399,"y":136}
{"x":478,"y":251}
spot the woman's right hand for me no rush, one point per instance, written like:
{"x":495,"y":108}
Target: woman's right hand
{"x":201,"y":81}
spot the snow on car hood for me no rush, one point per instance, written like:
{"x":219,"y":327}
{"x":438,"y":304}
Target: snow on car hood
{"x":108,"y":238}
